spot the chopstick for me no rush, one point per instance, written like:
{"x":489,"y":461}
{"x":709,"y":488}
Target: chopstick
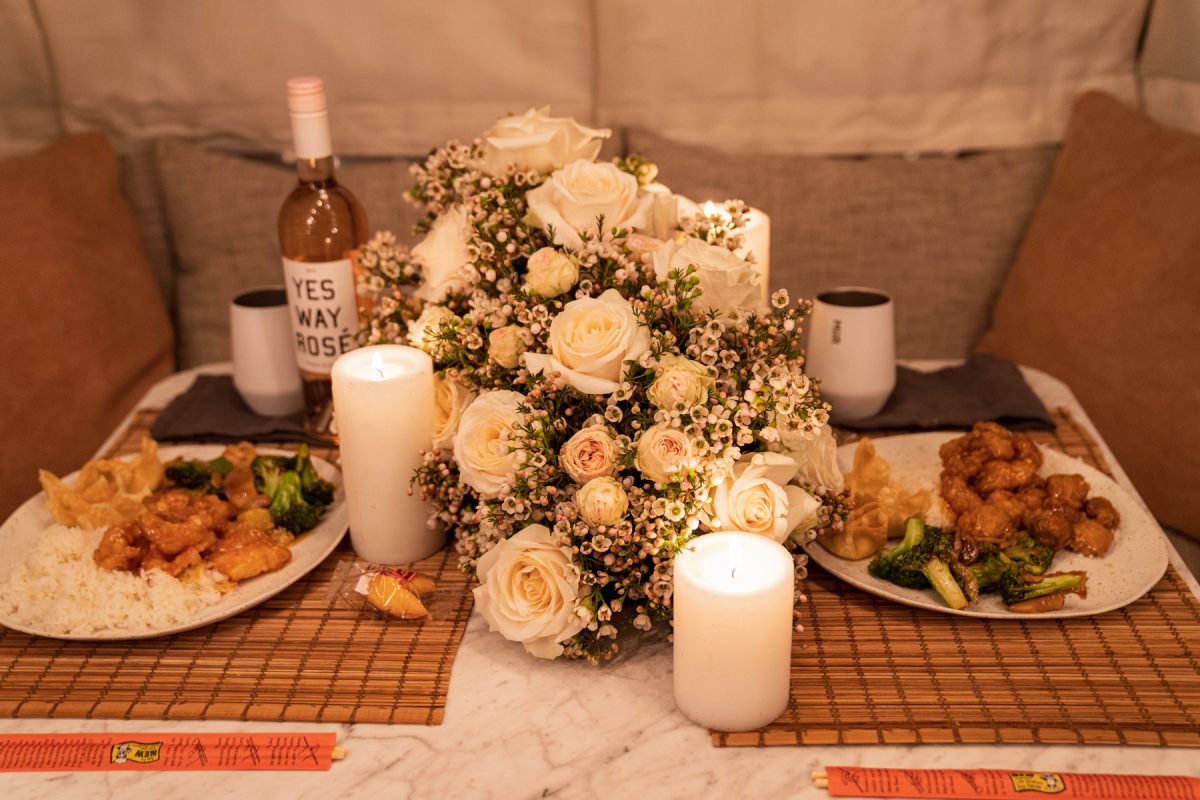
{"x":995,"y":784}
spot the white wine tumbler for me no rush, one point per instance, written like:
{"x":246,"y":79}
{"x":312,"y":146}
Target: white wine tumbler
{"x":264,"y":358}
{"x":852,"y":350}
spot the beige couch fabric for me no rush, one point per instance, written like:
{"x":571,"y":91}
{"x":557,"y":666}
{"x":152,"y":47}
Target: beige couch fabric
{"x":938,"y":233}
{"x":752,"y":76}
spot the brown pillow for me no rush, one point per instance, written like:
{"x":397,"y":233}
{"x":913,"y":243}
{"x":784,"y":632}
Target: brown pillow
{"x":86,"y":328}
{"x":1105,"y":295}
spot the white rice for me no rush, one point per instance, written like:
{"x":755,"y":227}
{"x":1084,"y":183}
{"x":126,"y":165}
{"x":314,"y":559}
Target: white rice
{"x":59,"y":589}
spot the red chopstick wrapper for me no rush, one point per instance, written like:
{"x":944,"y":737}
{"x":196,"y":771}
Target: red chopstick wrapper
{"x":141,"y":752}
{"x":995,"y":784}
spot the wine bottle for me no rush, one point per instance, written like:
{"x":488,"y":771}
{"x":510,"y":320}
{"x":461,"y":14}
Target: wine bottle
{"x":321,"y":224}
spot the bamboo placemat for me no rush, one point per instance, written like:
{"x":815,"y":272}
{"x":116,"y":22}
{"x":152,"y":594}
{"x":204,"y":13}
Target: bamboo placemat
{"x":867,"y":671}
{"x":295,"y":657}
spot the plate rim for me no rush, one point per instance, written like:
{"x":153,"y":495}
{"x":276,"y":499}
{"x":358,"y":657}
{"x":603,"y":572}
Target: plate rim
{"x":824,"y":558}
{"x":336,"y":516}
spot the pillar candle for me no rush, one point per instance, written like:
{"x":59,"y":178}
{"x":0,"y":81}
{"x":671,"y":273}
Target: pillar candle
{"x":758,"y":242}
{"x":733,"y":599}
{"x":383,"y":399}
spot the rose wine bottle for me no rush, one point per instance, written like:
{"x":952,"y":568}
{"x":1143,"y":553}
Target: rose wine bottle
{"x":321,"y":225}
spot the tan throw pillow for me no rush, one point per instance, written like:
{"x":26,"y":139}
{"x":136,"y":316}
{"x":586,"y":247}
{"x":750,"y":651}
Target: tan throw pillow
{"x":86,"y":328}
{"x":1105,"y":295}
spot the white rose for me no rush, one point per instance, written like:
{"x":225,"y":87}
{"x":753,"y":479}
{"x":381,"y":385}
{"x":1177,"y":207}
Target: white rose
{"x":680,"y":381}
{"x":662,"y":451}
{"x":482,"y":446}
{"x":590,"y":341}
{"x":602,"y":501}
{"x":576,"y":196}
{"x":590,"y":453}
{"x":817,"y":456}
{"x":727,"y":282}
{"x":422,"y":333}
{"x":528,"y":589}
{"x":505,"y":345}
{"x":666,"y":209}
{"x":535,"y":140}
{"x":757,"y":498}
{"x":550,"y":273}
{"x":443,"y":255}
{"x":450,"y":397}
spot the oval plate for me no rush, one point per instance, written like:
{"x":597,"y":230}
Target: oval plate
{"x":19,"y":534}
{"x":1134,"y":563}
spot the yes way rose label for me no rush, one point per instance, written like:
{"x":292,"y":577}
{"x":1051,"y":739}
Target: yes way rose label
{"x":321,"y":299}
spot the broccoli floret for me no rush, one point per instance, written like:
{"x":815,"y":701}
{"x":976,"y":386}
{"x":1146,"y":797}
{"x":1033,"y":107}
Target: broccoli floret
{"x":190,"y":474}
{"x":289,"y":509}
{"x":316,"y":490}
{"x":1032,"y":557}
{"x":267,"y":471}
{"x":1017,"y":587}
{"x":890,"y":566}
{"x":222,"y":466}
{"x":922,"y":559}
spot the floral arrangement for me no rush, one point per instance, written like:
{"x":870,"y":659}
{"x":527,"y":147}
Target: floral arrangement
{"x":608,"y":386}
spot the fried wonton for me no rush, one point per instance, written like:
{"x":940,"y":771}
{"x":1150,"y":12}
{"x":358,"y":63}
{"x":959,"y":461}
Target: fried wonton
{"x":864,"y":533}
{"x":870,"y":483}
{"x":108,"y":491}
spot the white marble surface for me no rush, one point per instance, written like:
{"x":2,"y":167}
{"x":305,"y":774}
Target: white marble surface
{"x":519,"y":728}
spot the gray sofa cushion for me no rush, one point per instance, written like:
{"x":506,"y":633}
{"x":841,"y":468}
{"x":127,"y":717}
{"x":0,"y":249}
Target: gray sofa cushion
{"x":938,"y":233}
{"x":221,"y":210}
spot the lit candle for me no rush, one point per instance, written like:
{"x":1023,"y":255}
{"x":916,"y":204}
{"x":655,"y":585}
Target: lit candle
{"x":758,"y":242}
{"x":383,"y":398}
{"x":733,"y":603}
{"x":756,"y":239}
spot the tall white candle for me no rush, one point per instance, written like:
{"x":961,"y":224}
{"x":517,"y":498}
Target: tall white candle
{"x":383,"y":398}
{"x":758,"y":242}
{"x":733,"y":603}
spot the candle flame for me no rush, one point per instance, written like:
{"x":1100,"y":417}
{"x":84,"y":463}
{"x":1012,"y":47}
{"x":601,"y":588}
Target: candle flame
{"x":709,"y":208}
{"x":377,"y":365}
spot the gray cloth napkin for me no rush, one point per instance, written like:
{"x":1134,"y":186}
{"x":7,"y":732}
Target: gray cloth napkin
{"x":212,"y":411}
{"x":986,"y":387}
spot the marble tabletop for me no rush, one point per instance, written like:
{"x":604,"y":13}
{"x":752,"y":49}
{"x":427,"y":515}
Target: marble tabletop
{"x":520,"y":728}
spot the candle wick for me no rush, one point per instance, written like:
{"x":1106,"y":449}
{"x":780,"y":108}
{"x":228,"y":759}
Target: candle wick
{"x":381,"y":375}
{"x":733,"y":572}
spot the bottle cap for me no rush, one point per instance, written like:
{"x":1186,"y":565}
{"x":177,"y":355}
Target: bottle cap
{"x":306,"y":96}
{"x":310,"y":117}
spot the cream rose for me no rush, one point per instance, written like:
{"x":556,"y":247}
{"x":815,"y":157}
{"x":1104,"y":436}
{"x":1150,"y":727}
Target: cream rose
{"x":666,"y":209}
{"x":505,"y":345}
{"x":576,"y":196}
{"x":680,"y":381}
{"x":450,"y":397}
{"x":482,"y":446}
{"x":757,"y":498}
{"x":816,"y":456}
{"x":528,"y":589}
{"x":662,"y":451}
{"x":727,"y":283}
{"x":590,"y":453}
{"x":422,"y":333}
{"x":550,"y":273}
{"x":590,"y":341}
{"x":535,"y":140}
{"x":443,"y":255}
{"x":602,"y":501}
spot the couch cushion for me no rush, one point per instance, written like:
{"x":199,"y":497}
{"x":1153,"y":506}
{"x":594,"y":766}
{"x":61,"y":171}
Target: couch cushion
{"x":938,"y":233}
{"x":86,"y":330}
{"x":1106,"y":295}
{"x":222,"y":211}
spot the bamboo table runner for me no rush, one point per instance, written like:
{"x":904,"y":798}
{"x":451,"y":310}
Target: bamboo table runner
{"x":868,"y":671}
{"x":295,"y":657}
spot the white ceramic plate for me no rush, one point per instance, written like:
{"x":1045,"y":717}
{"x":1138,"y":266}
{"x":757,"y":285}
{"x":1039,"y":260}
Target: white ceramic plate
{"x":19,"y":535}
{"x":1134,"y":563}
